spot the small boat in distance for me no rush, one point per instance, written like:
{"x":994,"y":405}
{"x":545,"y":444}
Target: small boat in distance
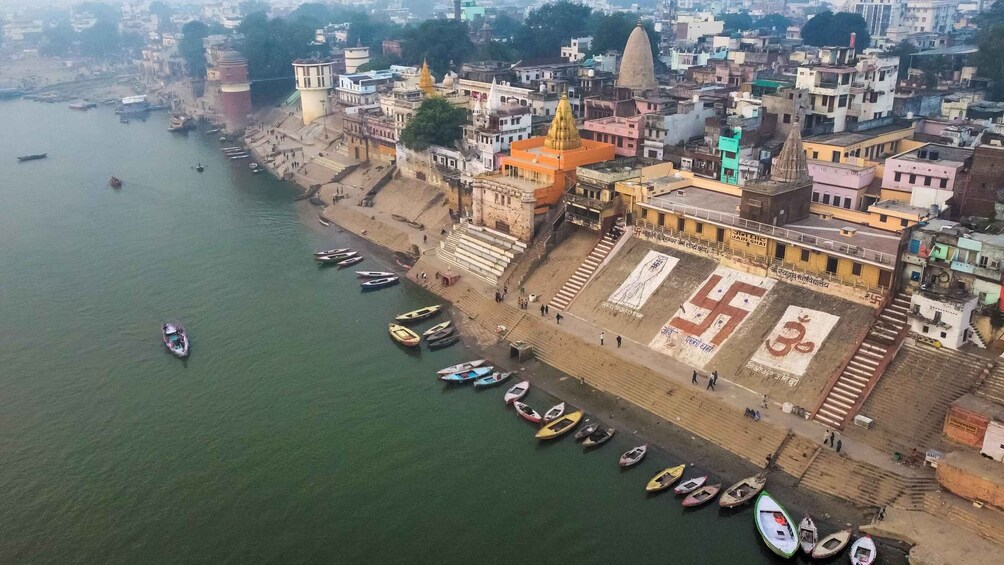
{"x":560,"y":427}
{"x":517,"y":392}
{"x":599,"y":437}
{"x":437,"y":328}
{"x":492,"y":379}
{"x":831,"y":544}
{"x":335,"y":252}
{"x":403,"y":335}
{"x":743,"y":491}
{"x":34,"y":157}
{"x":445,"y":342}
{"x":323,"y":222}
{"x":526,"y":412}
{"x":373,"y":274}
{"x":466,"y":376}
{"x":633,"y":456}
{"x":554,"y":412}
{"x":808,"y":535}
{"x":776,"y":529}
{"x":702,"y":495}
{"x":665,"y":478}
{"x":114,"y":182}
{"x":199,"y":168}
{"x":440,"y":335}
{"x":336,"y":259}
{"x":863,"y":552}
{"x":461,"y":367}
{"x":420,"y":314}
{"x":379,"y":283}
{"x":175,"y":339}
{"x":351,"y":261}
{"x":690,"y":485}
{"x":586,"y":431}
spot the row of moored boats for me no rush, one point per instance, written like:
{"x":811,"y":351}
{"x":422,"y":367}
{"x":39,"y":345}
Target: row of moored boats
{"x":443,"y":334}
{"x":782,"y":535}
{"x":345,"y":257}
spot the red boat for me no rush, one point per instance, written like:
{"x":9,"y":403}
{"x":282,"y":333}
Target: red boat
{"x":527,"y":413}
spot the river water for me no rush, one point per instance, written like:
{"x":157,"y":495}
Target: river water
{"x":296,"y":432}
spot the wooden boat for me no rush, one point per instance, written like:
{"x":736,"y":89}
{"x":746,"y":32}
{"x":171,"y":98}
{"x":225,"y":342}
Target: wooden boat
{"x":560,"y":427}
{"x":863,"y":552}
{"x":403,"y":335}
{"x":351,"y":261}
{"x":832,"y":544}
{"x":665,"y":478}
{"x":198,"y":168}
{"x":115,"y":182}
{"x":462,"y":367}
{"x":336,"y":252}
{"x":690,"y":485}
{"x":34,"y":157}
{"x":554,"y":412}
{"x":466,"y":376}
{"x":633,"y":456}
{"x":379,"y":283}
{"x":175,"y":339}
{"x":373,"y":274}
{"x":444,"y":343}
{"x":808,"y":535}
{"x":336,"y":258}
{"x":586,"y":431}
{"x":517,"y":392}
{"x":526,"y":412}
{"x":437,"y":328}
{"x":420,"y":314}
{"x":743,"y":491}
{"x":440,"y":335}
{"x":322,"y":221}
{"x":775,"y":526}
{"x":702,"y":495}
{"x":599,"y":437}
{"x":492,"y":379}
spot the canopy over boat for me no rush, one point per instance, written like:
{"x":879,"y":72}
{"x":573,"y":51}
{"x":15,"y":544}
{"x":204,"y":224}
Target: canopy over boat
{"x":775,"y":526}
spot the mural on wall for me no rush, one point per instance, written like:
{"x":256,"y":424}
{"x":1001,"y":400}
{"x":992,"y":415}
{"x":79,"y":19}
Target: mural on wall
{"x":643,"y":280}
{"x":788,"y":349}
{"x":711,"y":315}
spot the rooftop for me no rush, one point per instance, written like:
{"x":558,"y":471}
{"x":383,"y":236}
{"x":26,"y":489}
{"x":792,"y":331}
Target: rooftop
{"x":848,"y":138}
{"x":844,"y":166}
{"x":900,"y":207}
{"x":943,"y":152}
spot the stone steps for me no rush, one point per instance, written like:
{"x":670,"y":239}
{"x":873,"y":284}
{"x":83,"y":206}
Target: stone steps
{"x":861,"y":483}
{"x":984,"y":522}
{"x":484,"y":253}
{"x":363,"y":226}
{"x":993,"y":387}
{"x":581,"y":277}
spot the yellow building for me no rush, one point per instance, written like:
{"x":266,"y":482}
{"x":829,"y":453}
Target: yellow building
{"x":864,"y":148}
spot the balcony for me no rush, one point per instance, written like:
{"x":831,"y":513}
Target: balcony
{"x":588,"y":203}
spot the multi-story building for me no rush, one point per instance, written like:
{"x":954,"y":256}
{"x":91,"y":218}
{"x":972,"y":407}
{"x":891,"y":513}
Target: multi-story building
{"x":934,"y":173}
{"x":880,"y":15}
{"x":873,"y":88}
{"x":363,"y":89}
{"x":577,"y":49}
{"x":624,"y":133}
{"x":494,"y":127}
{"x":843,"y":185}
{"x":929,"y":16}
{"x":593,"y":201}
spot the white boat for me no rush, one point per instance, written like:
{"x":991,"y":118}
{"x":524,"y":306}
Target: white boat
{"x":863,"y":552}
{"x":633,"y":456}
{"x":554,"y":412}
{"x":324,"y":222}
{"x":461,"y":367}
{"x":690,"y":485}
{"x":526,"y":412}
{"x":375,"y":275}
{"x":808,"y":535}
{"x":175,"y":339}
{"x":517,"y":392}
{"x":333,"y":252}
{"x":775,"y":526}
{"x":831,"y":544}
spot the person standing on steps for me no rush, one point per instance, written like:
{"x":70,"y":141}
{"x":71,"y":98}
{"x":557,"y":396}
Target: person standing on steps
{"x":693,"y":378}
{"x":557,"y":318}
{"x":547,"y":309}
{"x":826,"y":437}
{"x":763,"y":403}
{"x":618,"y":341}
{"x":602,"y":335}
{"x":840,"y":444}
{"x":541,"y":310}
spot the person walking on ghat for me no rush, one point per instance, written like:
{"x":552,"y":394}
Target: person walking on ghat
{"x":840,"y":444}
{"x":618,"y":341}
{"x":693,"y":378}
{"x":547,"y":309}
{"x":557,"y":318}
{"x":602,"y":335}
{"x":763,"y":403}
{"x":542,"y":310}
{"x":711,"y":383}
{"x":826,"y":436}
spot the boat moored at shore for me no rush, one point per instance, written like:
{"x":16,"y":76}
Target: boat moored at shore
{"x":420,"y":314}
{"x":831,"y":544}
{"x":864,"y":551}
{"x":776,"y":529}
{"x":403,"y":335}
{"x":379,"y":283}
{"x":743,"y":491}
{"x":702,"y":495}
{"x":560,"y":427}
{"x":665,"y":478}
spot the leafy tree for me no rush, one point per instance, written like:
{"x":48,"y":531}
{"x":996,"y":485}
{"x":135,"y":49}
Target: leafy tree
{"x":444,"y":43}
{"x":271,"y":45}
{"x":903,"y":50}
{"x":436,"y":122}
{"x":57,"y":40}
{"x":380,"y":62}
{"x":505,"y":27}
{"x":736,"y":21}
{"x":191,"y":49}
{"x":163,"y":13}
{"x":100,"y":11}
{"x":829,"y":29}
{"x":364,"y":30}
{"x":990,"y":60}
{"x":248,"y":7}
{"x":497,"y":51}
{"x":612,"y":32}
{"x":776,"y":23}
{"x":101,"y":40}
{"x":551,"y":25}
{"x":318,"y":14}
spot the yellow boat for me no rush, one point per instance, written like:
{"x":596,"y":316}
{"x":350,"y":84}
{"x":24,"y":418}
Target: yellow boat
{"x":560,"y":426}
{"x":404,"y":336}
{"x":665,"y":478}
{"x":420,"y":314}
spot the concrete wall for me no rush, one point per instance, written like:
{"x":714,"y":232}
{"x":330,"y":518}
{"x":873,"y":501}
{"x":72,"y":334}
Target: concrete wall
{"x":969,"y":484}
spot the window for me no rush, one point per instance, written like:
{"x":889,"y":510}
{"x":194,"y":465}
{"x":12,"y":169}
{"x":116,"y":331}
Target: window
{"x":831,"y":265}
{"x":856,"y":269}
{"x":927,"y":181}
{"x":815,"y":196}
{"x":826,"y":199}
{"x":897,"y":176}
{"x":662,"y":219}
{"x":913,"y":179}
{"x":944,"y":334}
{"x":847,"y":203}
{"x":914,"y":246}
{"x":881,"y":75}
{"x":883,"y":218}
{"x":786,"y":119}
{"x":943,"y":183}
{"x":904,"y":222}
{"x":835,"y":157}
{"x":720,"y":235}
{"x":842,"y":103}
{"x":983,"y":261}
{"x":699,"y":227}
{"x":805,"y":256}
{"x":779,"y":251}
{"x":926,"y":329}
{"x":815,"y":154}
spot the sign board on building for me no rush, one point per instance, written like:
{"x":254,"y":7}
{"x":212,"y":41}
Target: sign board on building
{"x":749,"y":238}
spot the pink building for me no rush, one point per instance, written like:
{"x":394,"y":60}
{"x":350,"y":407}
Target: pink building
{"x":840,"y":184}
{"x":625,"y":134}
{"x":934,"y":166}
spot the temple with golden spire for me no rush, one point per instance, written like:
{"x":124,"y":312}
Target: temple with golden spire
{"x":535,"y":175}
{"x":425,"y":81}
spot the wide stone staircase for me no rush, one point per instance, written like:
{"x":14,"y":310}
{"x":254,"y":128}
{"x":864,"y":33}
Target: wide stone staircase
{"x":856,"y":379}
{"x":483,"y":252}
{"x":985,"y":522}
{"x":581,"y":277}
{"x":865,"y":484}
{"x":992,"y":388}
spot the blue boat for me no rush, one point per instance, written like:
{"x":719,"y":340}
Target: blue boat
{"x":492,"y":379}
{"x":379,"y":283}
{"x":467,"y":376}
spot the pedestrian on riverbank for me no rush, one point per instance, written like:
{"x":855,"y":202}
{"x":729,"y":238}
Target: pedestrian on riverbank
{"x":618,"y":341}
{"x":763,"y":403}
{"x":547,"y":309}
{"x":714,"y":379}
{"x":541,"y":310}
{"x":826,"y":437}
{"x":711,"y":383}
{"x":602,"y":335}
{"x":425,"y":238}
{"x":558,"y":317}
{"x":693,"y":378}
{"x":840,"y":444}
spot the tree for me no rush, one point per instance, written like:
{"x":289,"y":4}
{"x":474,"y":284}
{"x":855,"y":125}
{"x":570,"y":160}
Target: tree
{"x":163,"y":13}
{"x":248,"y":7}
{"x":736,"y":21}
{"x":58,"y":40}
{"x":550,"y":26}
{"x":612,"y":32}
{"x":191,"y":48}
{"x":903,"y":50}
{"x":271,"y":45}
{"x":775,"y":23}
{"x":990,"y":60}
{"x":505,"y":27}
{"x":379,"y":62}
{"x":829,"y":29}
{"x":436,"y":122}
{"x":443,"y":43}
{"x":101,"y":40}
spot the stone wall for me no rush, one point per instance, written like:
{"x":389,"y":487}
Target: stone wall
{"x":972,"y":477}
{"x":503,"y":207}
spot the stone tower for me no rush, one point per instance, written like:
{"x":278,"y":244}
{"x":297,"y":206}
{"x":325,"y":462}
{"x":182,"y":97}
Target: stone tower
{"x":235,"y":90}
{"x":637,"y":70}
{"x":786,"y":196}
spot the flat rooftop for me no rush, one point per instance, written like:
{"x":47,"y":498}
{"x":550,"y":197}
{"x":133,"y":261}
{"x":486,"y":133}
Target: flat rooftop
{"x":945,"y":153}
{"x":848,"y":138}
{"x":901,"y":207}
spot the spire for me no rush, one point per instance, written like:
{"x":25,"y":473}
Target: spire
{"x":493,"y":98}
{"x":563,"y":134}
{"x":791,"y":165}
{"x":637,"y":70}
{"x":425,"y":81}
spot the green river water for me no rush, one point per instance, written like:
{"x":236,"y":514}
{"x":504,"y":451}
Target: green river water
{"x":296,"y":432}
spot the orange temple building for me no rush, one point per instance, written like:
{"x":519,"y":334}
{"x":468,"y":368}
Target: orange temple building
{"x":534,"y":176}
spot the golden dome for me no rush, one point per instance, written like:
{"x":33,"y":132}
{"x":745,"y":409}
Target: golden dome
{"x":425,"y":80}
{"x":563,"y":134}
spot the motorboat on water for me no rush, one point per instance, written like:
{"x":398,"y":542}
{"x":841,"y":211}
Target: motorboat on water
{"x":776,"y":528}
{"x":461,"y":367}
{"x":437,"y":328}
{"x":420,"y":314}
{"x":351,"y":261}
{"x":467,"y":376}
{"x":336,"y":258}
{"x":586,"y":431}
{"x":199,"y":168}
{"x":115,"y":182}
{"x":34,"y":157}
{"x":333,"y":252}
{"x":526,"y":412}
{"x":492,"y":379}
{"x":175,"y":339}
{"x":445,"y":342}
{"x":440,"y":335}
{"x":599,"y":437}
